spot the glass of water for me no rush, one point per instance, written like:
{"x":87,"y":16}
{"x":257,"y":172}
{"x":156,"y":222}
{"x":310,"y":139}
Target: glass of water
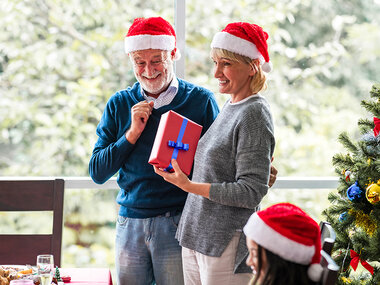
{"x":45,"y":267}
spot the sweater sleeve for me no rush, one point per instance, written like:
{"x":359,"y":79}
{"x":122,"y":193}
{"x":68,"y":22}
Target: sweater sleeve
{"x":254,"y":149}
{"x":112,"y":148}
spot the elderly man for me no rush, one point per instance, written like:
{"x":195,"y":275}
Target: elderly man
{"x":150,"y":208}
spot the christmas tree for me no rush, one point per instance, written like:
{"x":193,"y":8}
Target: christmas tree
{"x":57,"y":274}
{"x":355,"y":209}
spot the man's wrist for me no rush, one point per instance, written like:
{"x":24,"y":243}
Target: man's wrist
{"x":131,"y":136}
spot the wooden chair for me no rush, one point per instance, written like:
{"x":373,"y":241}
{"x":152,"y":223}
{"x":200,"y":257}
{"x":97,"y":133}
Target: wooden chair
{"x":328,"y":237}
{"x":330,"y":269}
{"x":32,"y":195}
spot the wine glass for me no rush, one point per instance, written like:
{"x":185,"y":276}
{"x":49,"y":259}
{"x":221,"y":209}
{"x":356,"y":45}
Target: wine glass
{"x":45,"y":266}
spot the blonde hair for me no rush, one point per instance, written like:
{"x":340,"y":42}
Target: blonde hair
{"x":258,"y":81}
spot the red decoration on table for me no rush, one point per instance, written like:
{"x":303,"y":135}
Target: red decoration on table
{"x":355,"y":258}
{"x":66,"y":279}
{"x":177,"y":137}
{"x":376,"y":129}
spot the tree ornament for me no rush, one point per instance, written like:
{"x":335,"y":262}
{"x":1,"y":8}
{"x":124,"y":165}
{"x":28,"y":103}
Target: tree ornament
{"x":346,"y":280}
{"x":355,"y":193}
{"x":347,"y":174}
{"x":363,"y":221}
{"x":343,"y":217}
{"x":376,"y":129}
{"x":373,"y":193}
{"x":355,"y":259}
{"x":57,"y":274}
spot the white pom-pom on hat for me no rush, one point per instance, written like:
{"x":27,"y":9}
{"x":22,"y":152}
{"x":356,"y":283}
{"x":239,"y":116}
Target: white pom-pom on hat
{"x":315,"y":272}
{"x":267,"y":66}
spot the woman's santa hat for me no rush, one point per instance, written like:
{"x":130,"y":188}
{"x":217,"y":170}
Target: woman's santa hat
{"x":286,"y":230}
{"x":245,"y":39}
{"x":151,"y":33}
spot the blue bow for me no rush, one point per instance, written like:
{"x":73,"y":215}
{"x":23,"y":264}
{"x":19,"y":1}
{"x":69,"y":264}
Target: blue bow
{"x":178,"y":145}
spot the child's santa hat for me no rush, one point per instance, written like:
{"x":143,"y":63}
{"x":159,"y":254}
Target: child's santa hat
{"x":286,"y":230}
{"x":245,"y":39}
{"x":151,"y":33}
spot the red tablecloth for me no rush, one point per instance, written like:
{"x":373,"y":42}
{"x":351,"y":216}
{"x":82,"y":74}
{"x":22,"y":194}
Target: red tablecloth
{"x":90,"y":276}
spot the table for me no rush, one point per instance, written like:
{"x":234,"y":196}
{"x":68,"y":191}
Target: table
{"x":87,"y":276}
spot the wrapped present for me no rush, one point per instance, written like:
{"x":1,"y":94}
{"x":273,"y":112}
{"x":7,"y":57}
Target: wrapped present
{"x":177,"y":137}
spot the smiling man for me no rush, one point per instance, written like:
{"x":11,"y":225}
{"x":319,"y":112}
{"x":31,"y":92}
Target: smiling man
{"x":150,"y":208}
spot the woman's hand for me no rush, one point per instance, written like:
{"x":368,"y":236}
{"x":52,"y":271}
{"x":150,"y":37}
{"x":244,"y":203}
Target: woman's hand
{"x":178,"y":178}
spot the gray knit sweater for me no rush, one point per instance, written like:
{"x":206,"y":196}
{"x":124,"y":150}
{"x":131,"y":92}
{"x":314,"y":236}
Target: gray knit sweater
{"x":234,"y":156}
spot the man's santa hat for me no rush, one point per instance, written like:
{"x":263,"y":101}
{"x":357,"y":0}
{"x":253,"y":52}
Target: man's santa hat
{"x":286,"y":230}
{"x":151,"y":33}
{"x":245,"y":39}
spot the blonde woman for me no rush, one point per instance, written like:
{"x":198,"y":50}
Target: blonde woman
{"x":232,"y":163}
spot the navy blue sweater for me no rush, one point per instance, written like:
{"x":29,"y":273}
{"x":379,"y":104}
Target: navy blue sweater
{"x":143,"y":193}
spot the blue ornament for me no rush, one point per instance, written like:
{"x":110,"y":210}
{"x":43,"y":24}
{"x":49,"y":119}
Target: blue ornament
{"x":343,"y":217}
{"x":355,"y":193}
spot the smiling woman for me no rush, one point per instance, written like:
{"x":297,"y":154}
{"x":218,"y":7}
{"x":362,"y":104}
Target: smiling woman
{"x":231,"y":165}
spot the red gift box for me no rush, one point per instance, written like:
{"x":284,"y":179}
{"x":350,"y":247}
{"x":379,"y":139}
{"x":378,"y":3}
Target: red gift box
{"x":177,"y":137}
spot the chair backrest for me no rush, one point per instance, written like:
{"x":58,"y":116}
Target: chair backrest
{"x":330,"y":269}
{"x":328,"y":237}
{"x":32,"y":195}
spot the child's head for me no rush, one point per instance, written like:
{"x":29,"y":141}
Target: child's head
{"x":284,"y":243}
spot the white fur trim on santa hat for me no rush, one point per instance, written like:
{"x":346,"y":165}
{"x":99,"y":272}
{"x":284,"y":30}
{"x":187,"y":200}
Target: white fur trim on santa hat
{"x":142,"y":42}
{"x":257,"y":230}
{"x":237,"y":45}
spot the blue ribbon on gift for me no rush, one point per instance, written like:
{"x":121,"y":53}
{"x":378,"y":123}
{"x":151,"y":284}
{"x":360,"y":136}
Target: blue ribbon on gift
{"x":179,"y":145}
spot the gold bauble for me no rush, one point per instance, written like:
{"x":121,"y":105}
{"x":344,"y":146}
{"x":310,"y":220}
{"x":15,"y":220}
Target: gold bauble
{"x":373,"y":193}
{"x":346,"y":280}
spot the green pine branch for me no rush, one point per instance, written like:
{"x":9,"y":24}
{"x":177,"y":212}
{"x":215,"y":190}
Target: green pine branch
{"x":365,"y":125}
{"x":375,"y":91}
{"x":343,"y":161}
{"x":345,"y":140}
{"x":372,"y":107}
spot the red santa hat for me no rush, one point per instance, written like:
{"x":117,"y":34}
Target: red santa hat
{"x":245,"y":39}
{"x":150,"y":33}
{"x":286,"y":230}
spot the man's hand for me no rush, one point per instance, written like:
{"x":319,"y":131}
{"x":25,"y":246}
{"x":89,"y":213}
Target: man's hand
{"x":273,"y":174}
{"x":139,"y":115}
